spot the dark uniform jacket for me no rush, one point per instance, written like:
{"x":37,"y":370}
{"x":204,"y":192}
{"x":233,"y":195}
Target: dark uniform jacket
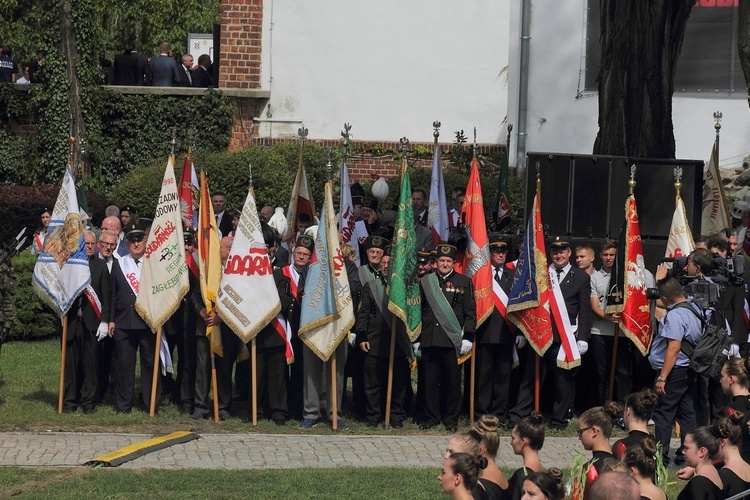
{"x":374,"y":325}
{"x":576,"y":291}
{"x":459,"y":292}
{"x":100,"y":282}
{"x":496,"y":330}
{"x":122,"y":308}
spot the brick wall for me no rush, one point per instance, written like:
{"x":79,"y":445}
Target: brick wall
{"x":240,"y":51}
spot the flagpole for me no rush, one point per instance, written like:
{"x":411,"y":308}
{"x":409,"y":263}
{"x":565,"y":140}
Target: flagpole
{"x":155,"y":375}
{"x":392,"y":348}
{"x":302,"y":132}
{"x":253,"y":345}
{"x":62,"y":362}
{"x":537,"y":358}
{"x":334,"y":398}
{"x":473,"y":365}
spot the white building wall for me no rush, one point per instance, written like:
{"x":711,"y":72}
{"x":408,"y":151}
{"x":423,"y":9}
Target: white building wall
{"x":388,"y":67}
{"x":558,"y":121}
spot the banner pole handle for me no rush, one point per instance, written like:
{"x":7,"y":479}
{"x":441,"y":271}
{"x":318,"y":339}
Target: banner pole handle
{"x":62,"y":363}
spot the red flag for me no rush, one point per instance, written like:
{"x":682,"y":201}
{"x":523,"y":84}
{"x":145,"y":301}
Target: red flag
{"x":476,"y":261}
{"x":528,"y":302}
{"x":635,"y":318}
{"x":187,"y":191}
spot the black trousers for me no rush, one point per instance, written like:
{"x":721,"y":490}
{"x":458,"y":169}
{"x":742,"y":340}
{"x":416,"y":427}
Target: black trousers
{"x":295,"y":387}
{"x":492,"y":379}
{"x":81,"y":367}
{"x":442,"y":385}
{"x":224,"y":365}
{"x":127,"y":345}
{"x":563,"y":384}
{"x":186,"y":367}
{"x":600,"y":349}
{"x":677,"y":404}
{"x":107,"y":369}
{"x":375,"y":374}
{"x":354,"y":368}
{"x":272,"y":391}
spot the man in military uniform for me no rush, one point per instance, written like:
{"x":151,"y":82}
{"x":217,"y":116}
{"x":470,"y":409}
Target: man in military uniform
{"x":88,"y":322}
{"x":575,"y":287}
{"x":495,"y":339}
{"x":448,"y":327}
{"x":373,"y":327}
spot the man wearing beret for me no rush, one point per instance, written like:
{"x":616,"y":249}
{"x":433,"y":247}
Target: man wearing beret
{"x":496,"y":338}
{"x":575,"y":286}
{"x":130,"y":332}
{"x":448,"y":327}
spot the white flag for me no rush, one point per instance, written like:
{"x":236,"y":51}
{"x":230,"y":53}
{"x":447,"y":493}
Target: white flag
{"x":715,"y":214}
{"x":680,"y":242}
{"x":348,"y":223}
{"x":165,"y":276}
{"x":62,"y":268}
{"x":437,"y":216}
{"x":248,"y":299}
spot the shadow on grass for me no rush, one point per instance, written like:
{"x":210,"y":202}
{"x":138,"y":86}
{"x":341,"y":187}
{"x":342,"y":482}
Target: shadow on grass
{"x":42,"y":395}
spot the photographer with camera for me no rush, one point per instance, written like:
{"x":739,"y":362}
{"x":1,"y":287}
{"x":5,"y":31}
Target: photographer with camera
{"x":674,"y":381}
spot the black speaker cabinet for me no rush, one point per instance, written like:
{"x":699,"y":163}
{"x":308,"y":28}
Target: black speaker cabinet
{"x":584,"y":196}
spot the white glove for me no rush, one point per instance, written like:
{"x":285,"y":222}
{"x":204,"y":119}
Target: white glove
{"x":415,"y":346}
{"x":521,"y":341}
{"x":465,"y":347}
{"x":583,"y":346}
{"x":352,"y":339}
{"x":734,"y":351}
{"x":101,"y":332}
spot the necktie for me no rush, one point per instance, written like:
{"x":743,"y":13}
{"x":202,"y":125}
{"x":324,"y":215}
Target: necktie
{"x":497,"y":274}
{"x":559,"y":273}
{"x":190,"y":78}
{"x":137,"y":262}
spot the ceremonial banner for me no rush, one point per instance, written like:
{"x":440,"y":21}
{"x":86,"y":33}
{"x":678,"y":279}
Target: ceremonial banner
{"x":437,"y":214}
{"x":301,"y":201}
{"x":165,"y":276}
{"x":715,"y":214}
{"x":327,"y":312}
{"x":248,"y":299}
{"x":680,"y":242}
{"x":476,"y":263}
{"x":404,"y":296}
{"x":62,"y":268}
{"x":635,"y":318}
{"x":209,"y":260}
{"x":528,"y":302}
{"x":188,"y":191}
{"x":616,"y":286}
{"x":347,"y":214}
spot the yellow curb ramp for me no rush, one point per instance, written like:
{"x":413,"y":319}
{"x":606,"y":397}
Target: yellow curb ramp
{"x":133,"y":451}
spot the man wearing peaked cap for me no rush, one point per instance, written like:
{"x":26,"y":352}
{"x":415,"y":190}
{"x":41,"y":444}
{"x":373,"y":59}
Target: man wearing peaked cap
{"x":424,"y":264}
{"x":297,"y":272}
{"x":495,"y":338}
{"x":575,"y":287}
{"x":448,"y":327}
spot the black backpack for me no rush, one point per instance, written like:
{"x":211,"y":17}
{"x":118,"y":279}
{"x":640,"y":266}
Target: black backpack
{"x":708,"y":356}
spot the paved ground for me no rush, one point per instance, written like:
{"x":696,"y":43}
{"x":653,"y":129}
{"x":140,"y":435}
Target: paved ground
{"x":252,"y":451}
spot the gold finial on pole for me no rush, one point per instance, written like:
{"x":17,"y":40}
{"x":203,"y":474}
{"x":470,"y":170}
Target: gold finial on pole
{"x":631,"y":182}
{"x":475,"y":142}
{"x":173,"y":142}
{"x":436,"y":130}
{"x":677,"y":171}
{"x":345,"y":142}
{"x":538,"y":177}
{"x":329,"y":165}
{"x":250,"y":174}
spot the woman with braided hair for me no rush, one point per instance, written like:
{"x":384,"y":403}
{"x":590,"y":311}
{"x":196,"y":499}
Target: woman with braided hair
{"x":640,"y":459}
{"x":736,"y":472}
{"x":735,"y":382}
{"x":527,"y":438}
{"x":639,"y":407}
{"x":493,"y":482}
{"x":701,"y":448}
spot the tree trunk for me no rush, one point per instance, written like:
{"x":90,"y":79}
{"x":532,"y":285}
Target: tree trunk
{"x":640,"y":42}
{"x":743,"y":42}
{"x":70,"y":53}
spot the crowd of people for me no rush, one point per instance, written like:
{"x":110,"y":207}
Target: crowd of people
{"x":130,"y":67}
{"x":658,"y":386}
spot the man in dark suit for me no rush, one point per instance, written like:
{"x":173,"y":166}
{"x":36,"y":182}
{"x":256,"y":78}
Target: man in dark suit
{"x":143,"y":75}
{"x":128,"y":328}
{"x":125,"y":67}
{"x":575,"y":286}
{"x":202,"y":74}
{"x":448,"y":326}
{"x":495,"y":339}
{"x":186,"y":71}
{"x":223,"y":218}
{"x":88,"y":320}
{"x":373,"y":329}
{"x":163,"y":69}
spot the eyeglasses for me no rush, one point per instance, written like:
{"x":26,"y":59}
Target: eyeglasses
{"x":581,"y":431}
{"x":107,"y":245}
{"x":302,"y":254}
